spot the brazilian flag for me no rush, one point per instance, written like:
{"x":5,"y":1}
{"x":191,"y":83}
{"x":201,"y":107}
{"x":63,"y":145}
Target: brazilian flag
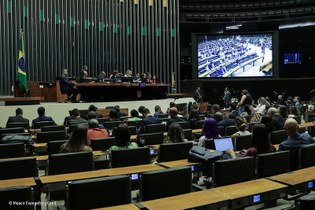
{"x":22,"y":79}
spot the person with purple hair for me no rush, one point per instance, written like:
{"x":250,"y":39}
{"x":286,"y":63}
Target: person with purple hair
{"x":209,"y":131}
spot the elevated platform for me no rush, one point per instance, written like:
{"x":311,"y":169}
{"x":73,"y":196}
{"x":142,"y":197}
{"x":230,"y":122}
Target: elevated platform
{"x":22,"y":100}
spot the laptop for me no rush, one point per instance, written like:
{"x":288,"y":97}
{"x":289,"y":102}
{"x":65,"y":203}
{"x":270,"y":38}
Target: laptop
{"x":223,"y":144}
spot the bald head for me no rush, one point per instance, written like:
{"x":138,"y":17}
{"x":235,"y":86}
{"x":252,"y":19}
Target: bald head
{"x":272,"y":111}
{"x":291,"y":126}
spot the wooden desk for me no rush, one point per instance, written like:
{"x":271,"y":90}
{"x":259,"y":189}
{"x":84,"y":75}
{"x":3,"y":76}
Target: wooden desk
{"x":99,"y":173}
{"x":305,"y":125}
{"x":177,"y":163}
{"x":297,"y":180}
{"x":188,"y":201}
{"x":120,"y":207}
{"x":241,"y":194}
{"x":28,"y":182}
{"x":45,"y":157}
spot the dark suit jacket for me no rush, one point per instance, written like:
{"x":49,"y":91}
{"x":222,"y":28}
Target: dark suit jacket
{"x":172,"y":120}
{"x":278,"y":122}
{"x":77,"y":121}
{"x":65,"y":84}
{"x":18,"y":118}
{"x":148,"y":121}
{"x":42,"y":118}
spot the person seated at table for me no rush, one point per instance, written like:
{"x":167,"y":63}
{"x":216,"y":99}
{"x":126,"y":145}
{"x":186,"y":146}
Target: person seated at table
{"x":68,"y":86}
{"x":77,"y":141}
{"x":224,"y":119}
{"x":172,"y":104}
{"x":41,"y":116}
{"x":102,"y":76}
{"x":144,"y":77}
{"x":154,"y":79}
{"x":175,"y":134}
{"x":76,"y":118}
{"x":84,"y":72}
{"x":277,"y":119}
{"x":128,"y":73}
{"x":140,"y":110}
{"x":267,"y":121}
{"x":134,"y":116}
{"x":173,"y":117}
{"x":122,"y":138}
{"x":148,"y":120}
{"x":157,"y":111}
{"x":113,"y":115}
{"x":260,"y":142}
{"x":193,"y":118}
{"x":93,"y":108}
{"x":18,"y":118}
{"x":94,"y":132}
{"x":241,"y":125}
{"x":120,"y":114}
{"x":92,"y":115}
{"x":209,"y":131}
{"x":114,"y":77}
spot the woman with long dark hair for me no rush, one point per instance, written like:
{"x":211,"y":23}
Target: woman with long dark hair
{"x":175,"y":134}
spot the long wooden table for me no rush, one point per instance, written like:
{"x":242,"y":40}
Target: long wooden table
{"x":177,"y":163}
{"x":120,"y":207}
{"x":99,"y":173}
{"x":189,"y":200}
{"x":252,"y":192}
{"x":28,"y":182}
{"x":298,"y":181}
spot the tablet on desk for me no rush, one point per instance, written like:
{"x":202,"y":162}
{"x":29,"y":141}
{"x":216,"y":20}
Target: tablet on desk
{"x":223,"y":144}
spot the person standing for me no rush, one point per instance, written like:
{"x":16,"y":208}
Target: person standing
{"x":197,"y":95}
{"x":227,"y":96}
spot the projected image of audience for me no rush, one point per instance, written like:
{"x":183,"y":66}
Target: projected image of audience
{"x":235,"y":56}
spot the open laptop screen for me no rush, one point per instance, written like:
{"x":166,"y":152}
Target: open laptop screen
{"x":223,"y":144}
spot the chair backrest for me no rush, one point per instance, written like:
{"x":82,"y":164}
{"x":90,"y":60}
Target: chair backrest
{"x":150,"y":138}
{"x":53,"y":128}
{"x":209,"y":144}
{"x":239,"y":170}
{"x":12,"y":150}
{"x":311,"y":130}
{"x":38,"y":125}
{"x":276,"y":137}
{"x":70,"y":162}
{"x":174,"y":151}
{"x":132,"y":130}
{"x":109,"y":125}
{"x":134,"y":123}
{"x":188,"y":134}
{"x":102,"y":143}
{"x":53,"y":147}
{"x":163,"y":116}
{"x":184,"y":124}
{"x":221,"y":130}
{"x":12,"y":130}
{"x":243,"y":142}
{"x":270,"y":164}
{"x":43,"y":137}
{"x":154,"y":128}
{"x":18,"y":168}
{"x":199,"y":124}
{"x":230,"y":130}
{"x":101,"y":120}
{"x":298,"y":119}
{"x":72,"y":127}
{"x":102,"y":192}
{"x":164,"y":183}
{"x":130,"y":157}
{"x":16,"y":194}
{"x":307,"y":155}
{"x":25,"y":125}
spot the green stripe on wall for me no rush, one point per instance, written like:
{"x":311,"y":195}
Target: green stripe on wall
{"x":41,"y":15}
{"x":25,"y":11}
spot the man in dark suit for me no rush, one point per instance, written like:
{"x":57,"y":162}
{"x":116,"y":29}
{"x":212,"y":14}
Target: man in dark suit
{"x":76,"y":119}
{"x":67,"y":86}
{"x":41,"y":116}
{"x":148,"y":119}
{"x":19,"y":118}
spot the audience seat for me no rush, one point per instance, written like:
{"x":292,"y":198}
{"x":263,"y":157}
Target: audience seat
{"x":130,"y":157}
{"x":134,"y":123}
{"x":71,"y":127}
{"x":243,"y":142}
{"x":232,"y":171}
{"x":199,"y":124}
{"x":53,"y":147}
{"x":188,"y":134}
{"x":24,"y":125}
{"x":16,"y":194}
{"x":110,"y":125}
{"x":276,"y":137}
{"x":184,"y":124}
{"x":38,"y":125}
{"x":102,"y":143}
{"x":12,"y":150}
{"x":307,"y":155}
{"x":42,"y":137}
{"x":230,"y":130}
{"x":174,"y":151}
{"x":162,"y":116}
{"x":221,"y":130}
{"x":99,"y":192}
{"x":12,"y":130}
{"x":18,"y":168}
{"x":306,"y":202}
{"x":53,"y":128}
{"x":164,"y":183}
{"x":270,"y":164}
{"x":155,"y":128}
{"x":150,"y":138}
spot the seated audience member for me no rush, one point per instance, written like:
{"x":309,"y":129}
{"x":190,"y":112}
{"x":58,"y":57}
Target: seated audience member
{"x":175,"y":134}
{"x":76,"y":118}
{"x":120,"y":114}
{"x":297,"y":101}
{"x":94,"y":109}
{"x":92,"y":115}
{"x":215,"y":108}
{"x":134,"y":116}
{"x":157,"y":111}
{"x":77,"y":141}
{"x":148,"y":120}
{"x":260,"y":142}
{"x":113,"y":115}
{"x":128,"y":73}
{"x":295,"y":139}
{"x":241,"y":125}
{"x":277,"y":119}
{"x":18,"y":118}
{"x":172,"y":104}
{"x":267,"y":121}
{"x":41,"y":116}
{"x":193,"y":118}
{"x":226,"y":119}
{"x":280,"y":101}
{"x":140,"y":110}
{"x":68,"y":86}
{"x":114,"y":76}
{"x":173,"y":117}
{"x":283,"y":110}
{"x":122,"y":137}
{"x":209,"y":131}
{"x":94,"y":132}
{"x":261,"y":106}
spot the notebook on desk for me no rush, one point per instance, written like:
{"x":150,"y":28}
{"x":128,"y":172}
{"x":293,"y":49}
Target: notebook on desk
{"x":223,"y":144}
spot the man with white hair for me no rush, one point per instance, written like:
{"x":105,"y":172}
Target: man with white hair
{"x":277,"y":118}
